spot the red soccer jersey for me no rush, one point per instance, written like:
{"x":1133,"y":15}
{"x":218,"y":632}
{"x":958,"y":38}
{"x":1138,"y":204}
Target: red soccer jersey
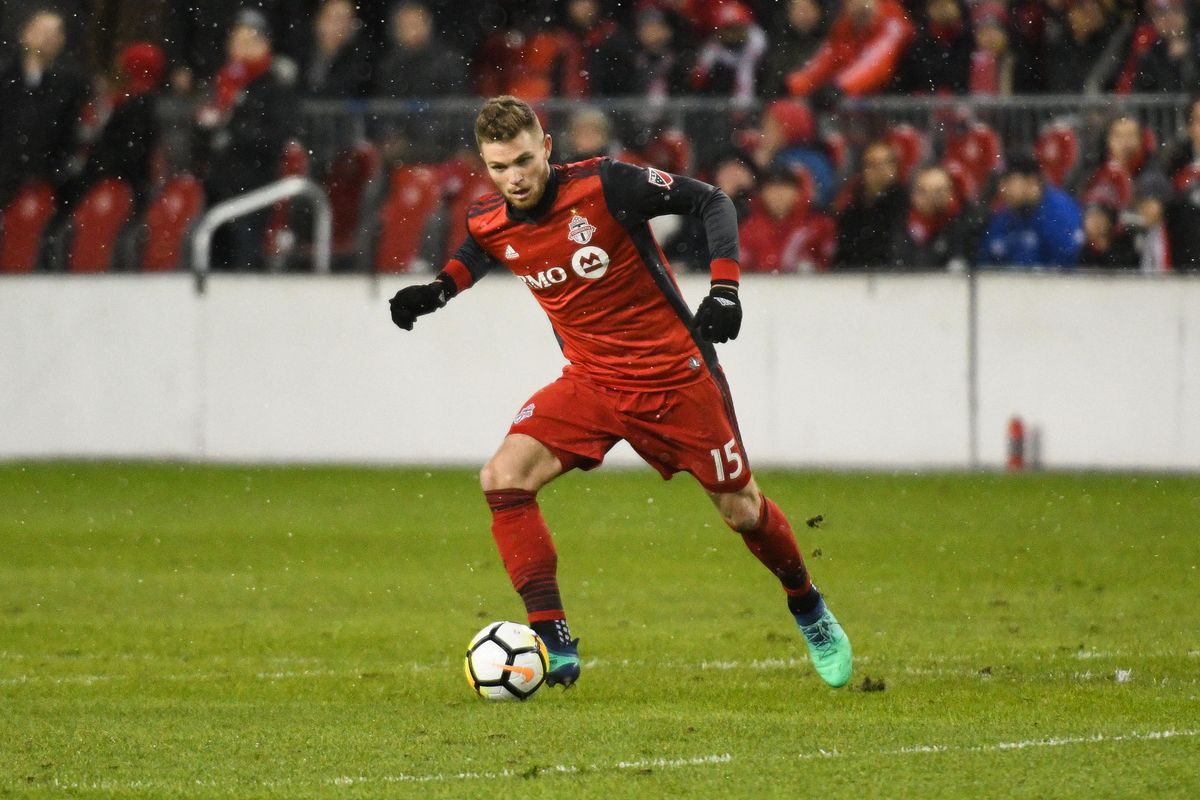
{"x":587,"y":254}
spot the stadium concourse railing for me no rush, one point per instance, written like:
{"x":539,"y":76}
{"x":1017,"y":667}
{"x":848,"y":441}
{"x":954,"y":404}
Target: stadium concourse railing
{"x":431,"y":130}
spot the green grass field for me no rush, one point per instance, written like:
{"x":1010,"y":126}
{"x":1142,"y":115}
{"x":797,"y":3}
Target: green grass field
{"x":170,"y":631}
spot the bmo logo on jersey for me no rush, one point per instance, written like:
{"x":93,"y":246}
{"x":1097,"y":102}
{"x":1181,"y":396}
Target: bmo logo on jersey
{"x":590,"y":262}
{"x":587,"y":262}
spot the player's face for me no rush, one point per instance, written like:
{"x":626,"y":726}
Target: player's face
{"x":519,"y":167}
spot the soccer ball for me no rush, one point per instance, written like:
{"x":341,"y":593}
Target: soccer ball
{"x":506,"y":661}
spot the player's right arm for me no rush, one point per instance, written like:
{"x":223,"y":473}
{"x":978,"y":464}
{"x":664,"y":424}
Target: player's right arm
{"x":468,"y":264}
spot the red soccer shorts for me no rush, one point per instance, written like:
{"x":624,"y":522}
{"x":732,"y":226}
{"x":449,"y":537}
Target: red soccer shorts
{"x":690,"y":429}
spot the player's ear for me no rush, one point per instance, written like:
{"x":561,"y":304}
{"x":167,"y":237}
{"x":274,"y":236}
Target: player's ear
{"x":548,"y":142}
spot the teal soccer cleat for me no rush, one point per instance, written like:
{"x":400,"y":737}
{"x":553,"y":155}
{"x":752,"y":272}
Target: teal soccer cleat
{"x":564,"y":665}
{"x":829,"y":649}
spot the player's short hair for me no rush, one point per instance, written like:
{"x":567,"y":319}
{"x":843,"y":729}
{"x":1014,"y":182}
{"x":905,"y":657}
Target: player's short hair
{"x":503,"y":118}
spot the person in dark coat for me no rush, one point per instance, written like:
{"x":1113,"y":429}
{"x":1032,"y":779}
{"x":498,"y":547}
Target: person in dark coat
{"x":1106,"y":243}
{"x":417,"y":64}
{"x":338,"y":65}
{"x":798,"y":31}
{"x":1170,"y":65}
{"x":251,"y":117}
{"x":127,"y":141}
{"x":604,"y":49}
{"x":939,"y":59}
{"x":940,"y":229}
{"x":1089,"y":56}
{"x":40,"y":102}
{"x":869,"y":227}
{"x":195,"y":36}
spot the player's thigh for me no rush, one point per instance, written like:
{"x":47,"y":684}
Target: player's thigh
{"x":696,"y":432}
{"x":521,"y":462}
{"x":565,"y":425}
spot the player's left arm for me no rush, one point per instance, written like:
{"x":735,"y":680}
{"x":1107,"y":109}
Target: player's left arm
{"x":645,"y":192}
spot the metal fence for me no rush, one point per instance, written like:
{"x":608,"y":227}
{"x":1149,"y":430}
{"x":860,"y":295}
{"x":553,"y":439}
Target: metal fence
{"x":432,"y":130}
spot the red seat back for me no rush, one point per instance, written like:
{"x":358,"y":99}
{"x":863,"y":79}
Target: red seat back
{"x":167,"y":222}
{"x":25,"y":219}
{"x":910,"y":147}
{"x":977,"y":148}
{"x":346,"y":183}
{"x":965,"y":187}
{"x":278,"y":238}
{"x":467,"y":182}
{"x":1057,"y":153}
{"x":96,"y":222}
{"x":414,"y":193}
{"x":1111,"y":185}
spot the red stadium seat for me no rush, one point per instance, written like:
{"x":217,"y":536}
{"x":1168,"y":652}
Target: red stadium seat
{"x":911,"y":148}
{"x":23,"y":223}
{"x":167,"y":221}
{"x":465,"y":181}
{"x":95,"y":224}
{"x":1057,"y":153}
{"x":965,"y":187}
{"x":346,"y":183}
{"x":977,"y":148}
{"x":414,"y":194}
{"x":279,"y":240}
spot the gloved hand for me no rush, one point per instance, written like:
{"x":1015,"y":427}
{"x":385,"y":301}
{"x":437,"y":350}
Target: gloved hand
{"x":719,"y":317}
{"x":414,"y":301}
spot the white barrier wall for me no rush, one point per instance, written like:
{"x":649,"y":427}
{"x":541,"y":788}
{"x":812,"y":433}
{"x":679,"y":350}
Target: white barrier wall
{"x":844,"y":370}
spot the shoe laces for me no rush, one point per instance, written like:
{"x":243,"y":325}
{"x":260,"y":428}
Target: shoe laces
{"x":818,"y":634}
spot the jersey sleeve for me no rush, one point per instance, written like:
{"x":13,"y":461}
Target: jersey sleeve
{"x":636,"y":194}
{"x":469,"y":263}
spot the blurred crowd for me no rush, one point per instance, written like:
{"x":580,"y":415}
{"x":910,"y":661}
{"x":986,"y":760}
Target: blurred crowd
{"x":83,"y":83}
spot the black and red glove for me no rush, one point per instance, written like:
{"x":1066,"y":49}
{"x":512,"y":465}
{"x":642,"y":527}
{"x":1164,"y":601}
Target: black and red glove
{"x":719,"y":317}
{"x":415,"y":301}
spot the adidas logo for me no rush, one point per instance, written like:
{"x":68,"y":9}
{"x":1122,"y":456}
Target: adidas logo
{"x":509,"y":253}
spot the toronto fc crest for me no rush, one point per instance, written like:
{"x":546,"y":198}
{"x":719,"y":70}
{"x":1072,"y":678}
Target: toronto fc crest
{"x":580,"y":230}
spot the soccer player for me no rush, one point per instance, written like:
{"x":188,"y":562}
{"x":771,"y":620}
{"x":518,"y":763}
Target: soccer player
{"x":641,"y":366}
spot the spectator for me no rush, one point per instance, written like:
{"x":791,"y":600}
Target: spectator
{"x":939,"y":59}
{"x":41,"y":100}
{"x":531,"y":60}
{"x":728,"y":63}
{"x":247,"y":124}
{"x":1126,"y":158}
{"x":662,"y":69}
{"x":1182,"y":220}
{"x":130,"y":135}
{"x":338,"y":64}
{"x":1037,"y":225}
{"x":860,"y":54}
{"x":590,"y":135}
{"x":801,"y":30}
{"x":939,"y":230}
{"x":870,"y":225}
{"x":782,"y":233}
{"x":1106,"y":244}
{"x":1088,"y":58}
{"x":788,"y":136}
{"x":993,"y":64}
{"x":1185,"y":150}
{"x":1152,"y":195}
{"x":196,"y":40}
{"x":417,"y":63}
{"x":603,"y":48}
{"x":1170,"y":64}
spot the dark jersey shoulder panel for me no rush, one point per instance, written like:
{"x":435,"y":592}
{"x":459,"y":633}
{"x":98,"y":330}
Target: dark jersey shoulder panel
{"x":637,"y":194}
{"x":477,"y":260}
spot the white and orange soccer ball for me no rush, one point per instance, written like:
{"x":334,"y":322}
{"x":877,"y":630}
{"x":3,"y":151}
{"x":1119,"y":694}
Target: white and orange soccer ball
{"x":506,"y":661}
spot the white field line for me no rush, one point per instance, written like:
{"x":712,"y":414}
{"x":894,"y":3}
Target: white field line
{"x":158,"y":785}
{"x":914,"y":668}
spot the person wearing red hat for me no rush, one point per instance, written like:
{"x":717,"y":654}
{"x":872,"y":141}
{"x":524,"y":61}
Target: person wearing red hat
{"x":859,"y":56}
{"x":728,"y":63}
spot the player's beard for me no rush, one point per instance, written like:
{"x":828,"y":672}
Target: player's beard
{"x":537,"y":188}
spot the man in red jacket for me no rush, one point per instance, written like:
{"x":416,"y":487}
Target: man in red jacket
{"x":859,"y":56}
{"x":783,"y":233}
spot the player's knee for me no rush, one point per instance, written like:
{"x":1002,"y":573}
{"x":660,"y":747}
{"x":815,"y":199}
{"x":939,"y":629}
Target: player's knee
{"x":740,"y":510}
{"x":499,"y":474}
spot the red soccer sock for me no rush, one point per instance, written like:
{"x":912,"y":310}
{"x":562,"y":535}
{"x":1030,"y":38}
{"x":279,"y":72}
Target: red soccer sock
{"x":527,"y":551}
{"x":774,"y":544}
